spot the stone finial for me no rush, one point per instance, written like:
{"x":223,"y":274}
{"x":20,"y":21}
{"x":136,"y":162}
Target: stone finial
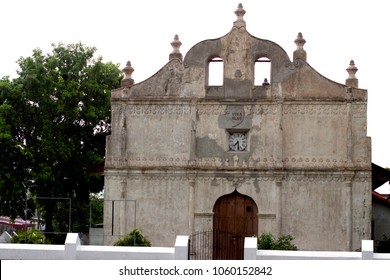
{"x":176,"y":44}
{"x":240,"y":12}
{"x":127,"y":81}
{"x":352,"y":81}
{"x":299,"y":53}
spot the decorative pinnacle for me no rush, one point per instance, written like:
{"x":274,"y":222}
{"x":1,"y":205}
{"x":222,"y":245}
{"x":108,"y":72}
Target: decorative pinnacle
{"x":127,"y":81}
{"x":299,"y":41}
{"x":176,"y":44}
{"x":240,"y":12}
{"x":352,"y":81}
{"x":352,"y":69}
{"x":299,"y":53}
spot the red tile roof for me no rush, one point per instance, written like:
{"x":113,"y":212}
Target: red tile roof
{"x":385,"y":198}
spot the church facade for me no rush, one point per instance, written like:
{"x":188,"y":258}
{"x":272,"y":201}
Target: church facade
{"x":286,"y":155}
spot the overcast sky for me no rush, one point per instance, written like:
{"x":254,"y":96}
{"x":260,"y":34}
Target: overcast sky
{"x":141,"y":31}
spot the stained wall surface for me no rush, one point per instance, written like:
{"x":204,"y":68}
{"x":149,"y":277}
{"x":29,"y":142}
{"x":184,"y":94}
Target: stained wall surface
{"x":306,"y":163}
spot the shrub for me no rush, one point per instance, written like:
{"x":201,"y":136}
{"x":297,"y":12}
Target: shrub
{"x":267,"y":241}
{"x":29,"y":236}
{"x":134,"y":238}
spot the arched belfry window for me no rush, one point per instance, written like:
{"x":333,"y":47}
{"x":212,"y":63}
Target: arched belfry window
{"x":262,"y":71}
{"x":215,"y":72}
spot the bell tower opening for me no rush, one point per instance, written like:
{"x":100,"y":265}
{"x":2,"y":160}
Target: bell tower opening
{"x":215,"y":72}
{"x":262,"y":71}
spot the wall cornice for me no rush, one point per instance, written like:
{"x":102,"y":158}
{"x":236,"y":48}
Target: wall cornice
{"x":242,"y":176}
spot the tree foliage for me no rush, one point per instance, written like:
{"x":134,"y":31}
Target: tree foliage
{"x":267,"y":241}
{"x":96,"y":209}
{"x":54,"y":118}
{"x":15,"y":159}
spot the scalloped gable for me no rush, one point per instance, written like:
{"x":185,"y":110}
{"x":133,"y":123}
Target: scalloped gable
{"x":305,"y":82}
{"x":239,"y":51}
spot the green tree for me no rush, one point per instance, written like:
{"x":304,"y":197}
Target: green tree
{"x":96,"y":209}
{"x":15,"y":159}
{"x":61,"y":102}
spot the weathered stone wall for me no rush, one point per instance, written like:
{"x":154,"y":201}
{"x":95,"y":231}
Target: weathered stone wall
{"x":156,"y":202}
{"x":307,"y":163}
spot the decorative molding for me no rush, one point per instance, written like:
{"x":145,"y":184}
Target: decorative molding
{"x":157,"y":110}
{"x":239,"y":180}
{"x":216,"y":179}
{"x":343,"y":177}
{"x":314,"y":162}
{"x":222,"y":163}
{"x":362,"y":176}
{"x":115,"y":108}
{"x":324,"y":162}
{"x":266,"y":109}
{"x":315,"y":109}
{"x":166,"y":161}
{"x":223,"y":109}
{"x":210,"y":109}
{"x":114,"y":162}
{"x":157,"y":177}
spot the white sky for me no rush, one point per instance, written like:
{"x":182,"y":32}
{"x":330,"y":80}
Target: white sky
{"x":141,"y":31}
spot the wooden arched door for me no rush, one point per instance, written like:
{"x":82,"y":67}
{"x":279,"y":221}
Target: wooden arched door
{"x":235,"y":217}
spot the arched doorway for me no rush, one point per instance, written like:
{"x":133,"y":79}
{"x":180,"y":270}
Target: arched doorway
{"x":235,"y":217}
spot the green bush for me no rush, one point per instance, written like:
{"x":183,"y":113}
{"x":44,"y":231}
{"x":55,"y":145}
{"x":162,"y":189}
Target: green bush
{"x":267,"y":241}
{"x":134,"y":238}
{"x":29,"y":236}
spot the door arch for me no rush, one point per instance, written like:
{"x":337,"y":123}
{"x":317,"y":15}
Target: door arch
{"x":235,"y":217}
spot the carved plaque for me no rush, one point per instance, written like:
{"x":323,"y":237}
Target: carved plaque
{"x":236,"y":115}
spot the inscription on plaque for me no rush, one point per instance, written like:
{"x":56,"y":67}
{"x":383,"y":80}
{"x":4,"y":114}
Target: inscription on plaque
{"x":236,"y":115}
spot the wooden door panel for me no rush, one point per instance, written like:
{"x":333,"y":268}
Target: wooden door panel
{"x":235,"y":217}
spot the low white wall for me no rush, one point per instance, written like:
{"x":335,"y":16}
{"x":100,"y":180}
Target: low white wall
{"x":31,"y":252}
{"x":72,"y":250}
{"x":367,"y":253}
{"x":124,"y":253}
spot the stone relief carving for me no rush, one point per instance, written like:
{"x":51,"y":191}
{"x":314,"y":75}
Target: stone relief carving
{"x":222,"y":163}
{"x":157,"y":161}
{"x":252,"y":177}
{"x":222,"y":109}
{"x":114,"y":162}
{"x":326,"y":177}
{"x":160,"y":109}
{"x":315,"y":109}
{"x":314,"y":162}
